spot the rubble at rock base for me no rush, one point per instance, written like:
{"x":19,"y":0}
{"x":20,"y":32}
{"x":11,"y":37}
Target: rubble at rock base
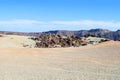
{"x":52,"y":41}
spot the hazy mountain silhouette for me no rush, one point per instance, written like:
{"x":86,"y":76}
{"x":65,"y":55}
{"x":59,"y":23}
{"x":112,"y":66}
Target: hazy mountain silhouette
{"x":104,"y":33}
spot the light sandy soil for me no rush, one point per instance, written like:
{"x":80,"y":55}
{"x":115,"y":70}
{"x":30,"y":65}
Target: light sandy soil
{"x":99,"y":62}
{"x":14,"y":41}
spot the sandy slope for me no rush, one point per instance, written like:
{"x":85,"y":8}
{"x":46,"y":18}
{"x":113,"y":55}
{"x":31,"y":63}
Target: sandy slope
{"x":13,"y":41}
{"x":100,"y":62}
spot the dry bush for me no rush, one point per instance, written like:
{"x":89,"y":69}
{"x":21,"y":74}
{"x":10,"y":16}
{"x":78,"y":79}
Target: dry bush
{"x":1,"y":35}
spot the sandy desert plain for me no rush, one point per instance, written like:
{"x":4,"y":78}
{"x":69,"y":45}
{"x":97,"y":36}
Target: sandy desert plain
{"x":99,"y":62}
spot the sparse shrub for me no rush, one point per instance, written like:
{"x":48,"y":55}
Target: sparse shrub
{"x":103,"y":40}
{"x":1,"y":35}
{"x":90,"y":35}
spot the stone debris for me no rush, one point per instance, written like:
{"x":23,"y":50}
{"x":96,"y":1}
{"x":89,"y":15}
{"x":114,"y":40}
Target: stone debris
{"x":14,"y":41}
{"x":57,"y":41}
{"x":52,"y":41}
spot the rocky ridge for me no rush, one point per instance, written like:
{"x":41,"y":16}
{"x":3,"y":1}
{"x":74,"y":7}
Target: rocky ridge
{"x":52,"y":41}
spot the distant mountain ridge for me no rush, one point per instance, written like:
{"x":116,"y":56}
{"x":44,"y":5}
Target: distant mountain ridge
{"x":95,"y":32}
{"x":20,"y":33}
{"x":104,"y":33}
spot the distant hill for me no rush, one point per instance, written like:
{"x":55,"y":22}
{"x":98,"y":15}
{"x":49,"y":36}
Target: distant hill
{"x":20,"y":33}
{"x":96,"y":32}
{"x":114,"y":35}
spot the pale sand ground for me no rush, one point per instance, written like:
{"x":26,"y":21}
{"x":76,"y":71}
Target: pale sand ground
{"x":100,"y":62}
{"x":13,"y":41}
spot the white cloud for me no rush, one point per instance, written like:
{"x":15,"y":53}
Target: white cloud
{"x":37,"y":25}
{"x":87,"y":23}
{"x":65,"y":23}
{"x":20,"y":22}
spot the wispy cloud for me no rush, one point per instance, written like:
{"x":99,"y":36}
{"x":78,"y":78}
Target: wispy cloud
{"x":66,"y":23}
{"x":54,"y":25}
{"x":20,"y":22}
{"x":88,"y":23}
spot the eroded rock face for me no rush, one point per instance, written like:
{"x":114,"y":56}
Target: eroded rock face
{"x":51,"y":41}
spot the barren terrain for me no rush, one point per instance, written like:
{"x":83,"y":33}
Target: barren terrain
{"x":99,"y":62}
{"x":14,"y":41}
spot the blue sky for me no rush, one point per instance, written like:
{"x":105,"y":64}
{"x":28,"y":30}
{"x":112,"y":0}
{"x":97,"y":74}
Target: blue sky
{"x":45,"y":15}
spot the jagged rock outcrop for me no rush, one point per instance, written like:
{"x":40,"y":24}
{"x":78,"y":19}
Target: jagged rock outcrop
{"x":51,"y":41}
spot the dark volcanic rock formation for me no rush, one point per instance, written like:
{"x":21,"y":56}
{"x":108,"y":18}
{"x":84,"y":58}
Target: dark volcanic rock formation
{"x":51,"y":41}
